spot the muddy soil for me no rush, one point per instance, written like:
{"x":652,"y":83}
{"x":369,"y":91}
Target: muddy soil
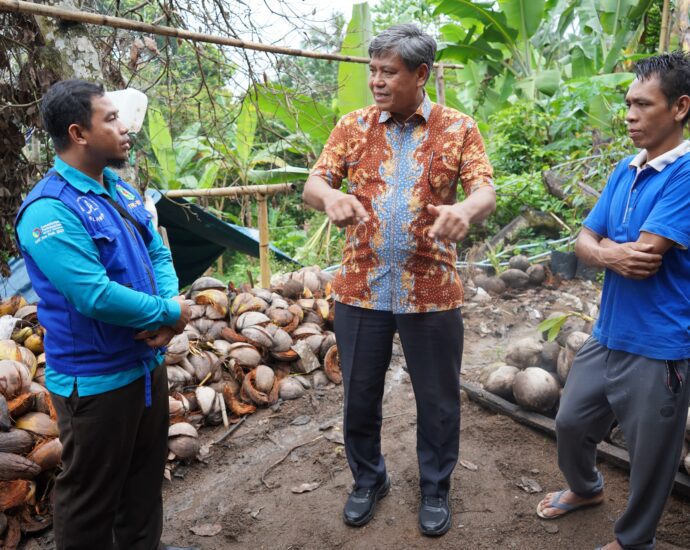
{"x":243,"y":489}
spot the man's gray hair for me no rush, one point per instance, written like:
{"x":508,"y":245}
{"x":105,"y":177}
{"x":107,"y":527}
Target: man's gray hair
{"x":408,"y":41}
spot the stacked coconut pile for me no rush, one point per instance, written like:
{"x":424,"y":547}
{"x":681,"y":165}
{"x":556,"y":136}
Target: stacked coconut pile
{"x":244,"y":349}
{"x":535,"y":371}
{"x":247,"y":348}
{"x":29,"y":448}
{"x":519,"y":275}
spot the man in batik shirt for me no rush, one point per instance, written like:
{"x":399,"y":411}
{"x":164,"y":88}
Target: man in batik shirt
{"x":403,"y":159}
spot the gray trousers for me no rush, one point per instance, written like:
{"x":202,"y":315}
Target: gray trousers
{"x":649,"y":399}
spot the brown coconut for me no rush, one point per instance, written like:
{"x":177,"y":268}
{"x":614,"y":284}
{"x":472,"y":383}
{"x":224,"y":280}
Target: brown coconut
{"x":39,"y":424}
{"x":15,"y":493}
{"x":575,"y":341}
{"x":47,"y":454}
{"x":16,"y":441}
{"x":524,"y":353}
{"x":535,"y":389}
{"x":500,"y":381}
{"x":331,"y":365}
{"x":515,"y":278}
{"x":13,"y":466}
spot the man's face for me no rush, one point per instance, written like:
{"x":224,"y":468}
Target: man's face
{"x":395,"y":88}
{"x":107,"y":139}
{"x":651,"y":122}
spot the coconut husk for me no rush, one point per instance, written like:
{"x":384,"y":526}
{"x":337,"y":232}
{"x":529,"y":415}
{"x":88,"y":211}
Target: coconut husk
{"x":47,"y":454}
{"x":11,"y":305}
{"x":234,"y":403}
{"x":184,"y":447}
{"x":213,"y":297}
{"x":249,"y":392}
{"x":22,"y":404}
{"x":39,"y":424}
{"x":28,"y":313}
{"x":229,"y":334}
{"x":16,"y":441}
{"x":331,"y":365}
{"x":15,"y":378}
{"x":31,"y":525}
{"x":44,"y":404}
{"x":9,"y":349}
{"x":34,"y":343}
{"x":15,"y":493}
{"x":14,"y":466}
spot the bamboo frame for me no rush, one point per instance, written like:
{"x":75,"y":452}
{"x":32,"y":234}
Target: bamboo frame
{"x":19,"y":6}
{"x":261,"y":192}
{"x":665,"y":24}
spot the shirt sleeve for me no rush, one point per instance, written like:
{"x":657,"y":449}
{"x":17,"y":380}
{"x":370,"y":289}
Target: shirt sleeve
{"x":597,"y":219}
{"x":475,"y":168}
{"x":79,"y":274}
{"x":166,"y":278}
{"x":669,"y":217}
{"x":331,"y":165}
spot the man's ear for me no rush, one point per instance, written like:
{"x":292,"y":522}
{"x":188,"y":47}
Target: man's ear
{"x":76,"y":134}
{"x":423,"y":72}
{"x":683,"y":106}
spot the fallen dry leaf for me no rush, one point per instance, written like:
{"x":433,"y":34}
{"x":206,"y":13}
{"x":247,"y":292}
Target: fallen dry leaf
{"x":206,"y":529}
{"x":471,"y":466}
{"x":305,"y":487}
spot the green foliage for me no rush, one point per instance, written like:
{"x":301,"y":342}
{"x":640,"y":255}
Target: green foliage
{"x":553,"y":325}
{"x":353,"y":78}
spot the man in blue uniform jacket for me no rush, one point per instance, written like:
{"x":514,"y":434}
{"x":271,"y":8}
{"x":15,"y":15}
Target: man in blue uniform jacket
{"x":108,"y":303}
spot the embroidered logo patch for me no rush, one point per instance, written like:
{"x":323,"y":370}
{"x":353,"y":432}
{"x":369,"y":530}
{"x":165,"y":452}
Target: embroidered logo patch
{"x":125,"y":193}
{"x":90,"y":208}
{"x":46,"y":231}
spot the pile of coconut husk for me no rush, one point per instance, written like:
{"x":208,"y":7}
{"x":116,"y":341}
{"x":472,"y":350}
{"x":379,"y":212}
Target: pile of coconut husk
{"x":29,"y":448}
{"x":535,"y":369}
{"x":520,"y":274}
{"x":247,"y":348}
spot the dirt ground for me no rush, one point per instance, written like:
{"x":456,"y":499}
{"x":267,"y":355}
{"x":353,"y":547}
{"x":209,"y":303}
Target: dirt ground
{"x":225,"y":494}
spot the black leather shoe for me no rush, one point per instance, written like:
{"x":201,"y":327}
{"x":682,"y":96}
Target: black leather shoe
{"x":360,"y":505}
{"x":434,"y":516}
{"x":167,"y":547}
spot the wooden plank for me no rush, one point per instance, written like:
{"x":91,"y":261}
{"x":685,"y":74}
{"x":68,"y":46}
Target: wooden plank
{"x":612,"y":454}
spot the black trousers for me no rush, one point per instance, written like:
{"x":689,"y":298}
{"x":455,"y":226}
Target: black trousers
{"x":108,"y":495}
{"x":432,"y":344}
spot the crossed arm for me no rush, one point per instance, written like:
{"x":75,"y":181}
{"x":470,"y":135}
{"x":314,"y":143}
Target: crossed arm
{"x":634,"y":260}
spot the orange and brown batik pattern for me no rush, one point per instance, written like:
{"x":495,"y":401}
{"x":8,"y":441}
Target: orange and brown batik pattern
{"x":390,"y":263}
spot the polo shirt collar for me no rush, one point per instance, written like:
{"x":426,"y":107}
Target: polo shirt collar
{"x":82,"y":182}
{"x":662,"y":161}
{"x":424,"y":111}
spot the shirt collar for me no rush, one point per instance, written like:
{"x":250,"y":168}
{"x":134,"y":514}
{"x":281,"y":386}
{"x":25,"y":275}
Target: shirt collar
{"x":424,"y":111}
{"x":82,"y":182}
{"x":662,"y":161}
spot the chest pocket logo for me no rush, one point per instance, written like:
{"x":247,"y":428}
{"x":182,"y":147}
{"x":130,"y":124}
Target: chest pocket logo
{"x":90,"y":208}
{"x":125,"y":193}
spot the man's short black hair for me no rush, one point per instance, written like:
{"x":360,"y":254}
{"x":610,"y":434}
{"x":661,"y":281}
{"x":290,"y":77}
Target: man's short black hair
{"x":67,"y":102}
{"x":673,"y":71}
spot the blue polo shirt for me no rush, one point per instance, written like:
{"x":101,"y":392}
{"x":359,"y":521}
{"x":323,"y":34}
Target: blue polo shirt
{"x":81,"y":277}
{"x":649,"y":317}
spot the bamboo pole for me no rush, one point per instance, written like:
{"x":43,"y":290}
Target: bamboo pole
{"x":268,"y":190}
{"x":19,"y":6}
{"x":440,"y":84}
{"x":263,"y":242}
{"x":663,"y":34}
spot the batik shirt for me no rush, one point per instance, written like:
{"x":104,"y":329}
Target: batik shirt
{"x":395,"y":170}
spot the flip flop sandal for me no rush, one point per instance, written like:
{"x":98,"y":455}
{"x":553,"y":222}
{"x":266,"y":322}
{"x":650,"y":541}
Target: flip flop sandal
{"x":567,"y":508}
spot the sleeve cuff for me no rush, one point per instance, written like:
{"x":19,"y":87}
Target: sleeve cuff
{"x":680,"y":238}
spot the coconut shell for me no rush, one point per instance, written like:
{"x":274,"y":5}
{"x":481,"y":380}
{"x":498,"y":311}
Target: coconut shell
{"x":524,"y":353}
{"x":519,"y":261}
{"x":492,"y":285}
{"x":281,"y":341}
{"x":206,"y":283}
{"x":249,"y":391}
{"x":184,"y":447}
{"x":47,"y":454}
{"x":265,"y":378}
{"x":28,"y":313}
{"x":15,"y":378}
{"x":5,"y":419}
{"x":535,"y":389}
{"x":291,"y":389}
{"x":331,"y":365}
{"x":206,"y":398}
{"x":500,"y":381}
{"x":258,"y":336}
{"x":9,"y":349}
{"x":34,"y":343}
{"x":536,"y":274}
{"x":39,"y":424}
{"x":16,"y":442}
{"x":13,"y":466}
{"x":15,"y":493}
{"x":515,"y":278}
{"x":293,"y":289}
{"x":245,"y":354}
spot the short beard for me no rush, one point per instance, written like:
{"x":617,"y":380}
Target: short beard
{"x":118,"y":164}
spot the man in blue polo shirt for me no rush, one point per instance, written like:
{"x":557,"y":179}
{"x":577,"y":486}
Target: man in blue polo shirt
{"x":107,"y":293}
{"x":634,"y":369}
